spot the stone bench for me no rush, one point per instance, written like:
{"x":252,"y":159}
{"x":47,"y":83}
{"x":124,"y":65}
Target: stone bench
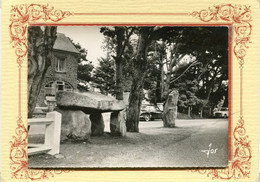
{"x":75,"y":106}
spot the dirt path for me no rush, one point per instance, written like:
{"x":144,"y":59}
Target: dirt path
{"x":154,"y":146}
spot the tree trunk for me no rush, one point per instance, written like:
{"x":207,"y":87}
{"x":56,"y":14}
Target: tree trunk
{"x":135,"y":102}
{"x":158,"y":90}
{"x":40,"y":45}
{"x":166,"y":89}
{"x":189,"y":111}
{"x":162,"y":81}
{"x":119,"y":61}
{"x":170,"y":109}
{"x":140,"y":69}
{"x":119,"y":76}
{"x":211,"y":85}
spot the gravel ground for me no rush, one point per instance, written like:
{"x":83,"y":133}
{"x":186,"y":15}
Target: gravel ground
{"x":153,"y":146}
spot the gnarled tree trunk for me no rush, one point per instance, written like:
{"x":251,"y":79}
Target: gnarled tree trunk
{"x":40,"y":46}
{"x":135,"y":101}
{"x":140,"y":69}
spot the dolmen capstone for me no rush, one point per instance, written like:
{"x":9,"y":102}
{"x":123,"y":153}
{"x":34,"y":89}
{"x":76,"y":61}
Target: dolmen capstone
{"x":82,"y":114}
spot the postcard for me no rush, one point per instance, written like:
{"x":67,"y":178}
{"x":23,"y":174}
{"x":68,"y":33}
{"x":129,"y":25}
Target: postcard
{"x":91,"y":90}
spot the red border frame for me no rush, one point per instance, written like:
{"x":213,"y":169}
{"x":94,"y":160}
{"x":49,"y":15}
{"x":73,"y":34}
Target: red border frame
{"x":230,"y":34}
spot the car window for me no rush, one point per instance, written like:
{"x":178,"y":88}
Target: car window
{"x":150,"y":108}
{"x":157,"y":109}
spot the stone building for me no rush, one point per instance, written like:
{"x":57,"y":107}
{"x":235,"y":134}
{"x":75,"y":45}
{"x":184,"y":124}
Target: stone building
{"x":62,"y":74}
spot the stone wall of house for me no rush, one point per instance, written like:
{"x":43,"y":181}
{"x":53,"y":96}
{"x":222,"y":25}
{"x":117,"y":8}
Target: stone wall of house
{"x":69,"y":75}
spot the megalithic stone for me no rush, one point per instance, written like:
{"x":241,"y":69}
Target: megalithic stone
{"x":75,"y":125}
{"x":97,"y":124}
{"x":170,"y":109}
{"x":88,"y":102}
{"x":95,"y":104}
{"x":117,"y":123}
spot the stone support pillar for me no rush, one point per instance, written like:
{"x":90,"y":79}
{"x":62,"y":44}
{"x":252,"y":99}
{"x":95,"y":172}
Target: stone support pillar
{"x":117,"y":123}
{"x":75,"y":125}
{"x":97,"y":124}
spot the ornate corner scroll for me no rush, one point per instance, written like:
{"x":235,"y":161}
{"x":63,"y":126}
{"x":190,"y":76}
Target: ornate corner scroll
{"x":21,"y":16}
{"x":240,"y":17}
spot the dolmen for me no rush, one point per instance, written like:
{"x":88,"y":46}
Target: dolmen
{"x":82,"y":114}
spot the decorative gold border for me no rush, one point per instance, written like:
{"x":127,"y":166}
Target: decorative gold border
{"x":239,"y":16}
{"x":21,"y":16}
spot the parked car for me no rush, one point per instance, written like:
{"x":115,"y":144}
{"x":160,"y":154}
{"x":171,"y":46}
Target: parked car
{"x":150,"y":112}
{"x":222,"y":113}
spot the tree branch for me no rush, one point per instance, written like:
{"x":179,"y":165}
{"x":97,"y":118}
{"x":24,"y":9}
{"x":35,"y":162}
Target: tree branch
{"x":184,"y":72}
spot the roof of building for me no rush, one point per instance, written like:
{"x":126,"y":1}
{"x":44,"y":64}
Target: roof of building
{"x":63,"y":43}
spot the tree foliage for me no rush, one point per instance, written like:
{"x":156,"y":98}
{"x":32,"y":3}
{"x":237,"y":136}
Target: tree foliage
{"x":192,"y":59}
{"x":104,"y":75}
{"x":117,"y":45}
{"x":85,"y":68}
{"x":206,"y":52}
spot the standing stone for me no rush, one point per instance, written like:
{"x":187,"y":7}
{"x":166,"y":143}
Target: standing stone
{"x":97,"y":124}
{"x":170,"y":109}
{"x":75,"y":125}
{"x":117,"y":123}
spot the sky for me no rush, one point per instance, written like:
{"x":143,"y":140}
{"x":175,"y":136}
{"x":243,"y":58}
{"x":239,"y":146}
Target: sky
{"x":89,"y":37}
